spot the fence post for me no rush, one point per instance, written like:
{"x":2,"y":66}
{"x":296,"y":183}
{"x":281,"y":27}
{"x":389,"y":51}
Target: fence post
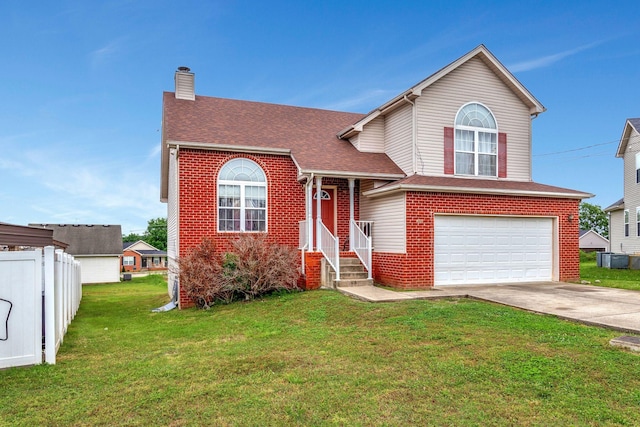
{"x":49,"y":306}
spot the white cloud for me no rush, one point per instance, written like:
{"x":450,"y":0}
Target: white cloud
{"x":548,"y":60}
{"x":107,"y":52}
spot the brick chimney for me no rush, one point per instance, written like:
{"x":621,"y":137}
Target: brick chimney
{"x":185,"y":84}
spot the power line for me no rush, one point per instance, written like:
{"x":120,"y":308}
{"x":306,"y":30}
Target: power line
{"x":632,"y":140}
{"x":574,"y":149}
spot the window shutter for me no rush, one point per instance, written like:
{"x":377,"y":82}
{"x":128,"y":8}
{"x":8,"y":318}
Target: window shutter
{"x":448,"y":151}
{"x":502,"y":155}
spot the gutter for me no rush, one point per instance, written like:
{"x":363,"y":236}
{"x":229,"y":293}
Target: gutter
{"x":229,"y":147}
{"x":397,"y":188}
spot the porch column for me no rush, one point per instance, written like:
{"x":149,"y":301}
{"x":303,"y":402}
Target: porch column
{"x":352,"y":185}
{"x":318,"y":210}
{"x":309,"y":208}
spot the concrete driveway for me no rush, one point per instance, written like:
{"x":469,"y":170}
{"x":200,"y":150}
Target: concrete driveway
{"x":612,"y":308}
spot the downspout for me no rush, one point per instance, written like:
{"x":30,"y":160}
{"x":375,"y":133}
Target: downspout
{"x":414,"y":135}
{"x":309,"y":215}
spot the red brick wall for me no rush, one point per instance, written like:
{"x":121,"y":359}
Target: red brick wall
{"x":198,"y":215}
{"x":138,"y":261}
{"x":415,"y":269}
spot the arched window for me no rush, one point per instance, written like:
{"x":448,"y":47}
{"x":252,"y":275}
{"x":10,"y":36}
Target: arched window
{"x":242,"y":196}
{"x":476,"y":141}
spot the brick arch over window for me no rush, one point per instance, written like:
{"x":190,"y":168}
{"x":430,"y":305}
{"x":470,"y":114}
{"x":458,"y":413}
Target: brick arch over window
{"x":242,"y":196}
{"x":474,"y":147}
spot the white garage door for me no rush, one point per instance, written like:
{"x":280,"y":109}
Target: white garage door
{"x":477,"y":249}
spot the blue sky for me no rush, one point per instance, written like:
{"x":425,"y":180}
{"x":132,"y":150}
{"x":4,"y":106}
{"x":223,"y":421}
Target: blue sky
{"x":82,"y":82}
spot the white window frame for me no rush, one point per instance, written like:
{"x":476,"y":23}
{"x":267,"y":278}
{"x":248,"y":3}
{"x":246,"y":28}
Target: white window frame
{"x":476,"y":142}
{"x":128,"y":260}
{"x":626,"y":223}
{"x":243,"y":164}
{"x":638,"y":221}
{"x":638,"y":167}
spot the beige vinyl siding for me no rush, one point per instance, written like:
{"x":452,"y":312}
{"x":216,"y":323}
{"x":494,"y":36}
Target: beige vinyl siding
{"x":388,"y":216}
{"x":631,"y":244}
{"x":398,"y":138}
{"x":616,"y":231}
{"x":472,"y":82}
{"x":355,"y":141}
{"x":172,"y":219}
{"x":372,"y":136}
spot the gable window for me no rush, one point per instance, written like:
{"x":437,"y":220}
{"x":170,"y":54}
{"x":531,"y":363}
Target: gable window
{"x":242,"y":196}
{"x":626,"y":223}
{"x":637,"y":167}
{"x":476,"y":141}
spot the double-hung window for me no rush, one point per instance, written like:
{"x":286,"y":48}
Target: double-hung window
{"x":638,"y":222}
{"x":476,"y":141}
{"x":128,"y":260}
{"x":637,"y":167}
{"x":242,"y":196}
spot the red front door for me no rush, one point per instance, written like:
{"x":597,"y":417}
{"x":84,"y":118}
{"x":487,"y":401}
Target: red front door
{"x":328,"y":209}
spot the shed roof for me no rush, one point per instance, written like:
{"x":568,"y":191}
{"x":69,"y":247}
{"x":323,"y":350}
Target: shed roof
{"x":88,"y":239}
{"x":20,"y":235}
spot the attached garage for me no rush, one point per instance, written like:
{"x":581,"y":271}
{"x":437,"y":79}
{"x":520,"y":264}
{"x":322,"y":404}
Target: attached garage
{"x":493,"y":249}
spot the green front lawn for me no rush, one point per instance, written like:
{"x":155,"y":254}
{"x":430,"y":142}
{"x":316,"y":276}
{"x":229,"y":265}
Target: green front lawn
{"x":320,"y":358}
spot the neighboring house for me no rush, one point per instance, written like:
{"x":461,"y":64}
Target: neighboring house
{"x":141,"y":256}
{"x":624,"y":215}
{"x":96,"y":247}
{"x":439,"y":177}
{"x":591,"y":241}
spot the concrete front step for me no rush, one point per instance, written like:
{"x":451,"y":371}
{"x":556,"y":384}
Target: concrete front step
{"x":352,"y":273}
{"x":347,"y":283}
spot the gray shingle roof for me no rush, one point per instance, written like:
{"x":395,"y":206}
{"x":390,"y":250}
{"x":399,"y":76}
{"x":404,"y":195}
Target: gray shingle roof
{"x":87,"y":239}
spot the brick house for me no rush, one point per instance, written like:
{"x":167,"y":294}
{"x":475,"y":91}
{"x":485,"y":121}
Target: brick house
{"x":432,"y":188}
{"x":141,"y":256}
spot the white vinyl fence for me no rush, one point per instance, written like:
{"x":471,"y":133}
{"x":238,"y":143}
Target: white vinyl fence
{"x":40,"y":292}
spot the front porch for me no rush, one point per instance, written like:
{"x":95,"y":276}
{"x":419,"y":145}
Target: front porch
{"x":329,"y":256}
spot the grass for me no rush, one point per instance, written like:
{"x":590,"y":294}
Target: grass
{"x":611,"y":278}
{"x":320,"y":358}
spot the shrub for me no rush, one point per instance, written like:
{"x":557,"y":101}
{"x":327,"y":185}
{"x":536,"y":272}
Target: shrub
{"x":259,"y":267}
{"x":254,"y":268}
{"x":200,"y":272}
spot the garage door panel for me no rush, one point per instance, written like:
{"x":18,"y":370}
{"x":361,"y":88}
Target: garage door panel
{"x":476,"y":249}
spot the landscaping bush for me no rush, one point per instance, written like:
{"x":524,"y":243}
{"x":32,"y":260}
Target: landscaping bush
{"x":254,"y":268}
{"x":200,"y":273}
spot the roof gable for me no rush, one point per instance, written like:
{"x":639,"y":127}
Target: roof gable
{"x":139,"y":245}
{"x":87,"y":239}
{"x":630,"y":127}
{"x":481,"y":52}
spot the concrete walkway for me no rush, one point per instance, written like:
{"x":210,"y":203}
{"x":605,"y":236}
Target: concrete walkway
{"x":612,"y":308}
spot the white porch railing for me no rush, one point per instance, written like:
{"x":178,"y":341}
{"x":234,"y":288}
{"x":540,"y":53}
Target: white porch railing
{"x":329,"y":247}
{"x":303,"y":242}
{"x":360,"y":232}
